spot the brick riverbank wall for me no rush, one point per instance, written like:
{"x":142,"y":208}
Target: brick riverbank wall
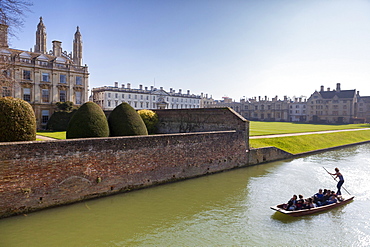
{"x":37,"y":175}
{"x":198,"y":120}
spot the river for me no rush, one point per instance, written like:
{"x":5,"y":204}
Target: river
{"x":224,"y":209}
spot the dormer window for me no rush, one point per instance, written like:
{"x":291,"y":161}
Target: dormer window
{"x":24,"y":57}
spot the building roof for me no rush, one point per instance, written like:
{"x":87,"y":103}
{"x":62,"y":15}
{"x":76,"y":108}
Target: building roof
{"x":35,"y":55}
{"x":365,"y":99}
{"x":340,"y":94}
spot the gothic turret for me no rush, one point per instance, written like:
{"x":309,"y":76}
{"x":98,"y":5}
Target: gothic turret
{"x":41,"y":38}
{"x":77,"y":48}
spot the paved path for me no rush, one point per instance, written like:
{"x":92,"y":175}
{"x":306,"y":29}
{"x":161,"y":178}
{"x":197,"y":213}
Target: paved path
{"x":305,"y":133}
{"x":45,"y":138}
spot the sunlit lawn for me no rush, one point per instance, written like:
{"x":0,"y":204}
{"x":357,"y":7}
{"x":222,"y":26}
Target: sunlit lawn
{"x":261,"y":128}
{"x":305,"y":143}
{"x":271,"y":128}
{"x":56,"y":135}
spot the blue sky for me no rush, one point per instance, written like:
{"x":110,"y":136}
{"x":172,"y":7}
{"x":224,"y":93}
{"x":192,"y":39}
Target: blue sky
{"x":231,"y":48}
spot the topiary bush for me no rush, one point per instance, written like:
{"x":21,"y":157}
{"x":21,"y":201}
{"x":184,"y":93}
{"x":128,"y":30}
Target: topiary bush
{"x":17,"y":120}
{"x":125,"y":121}
{"x":88,"y":121}
{"x":150,"y":119}
{"x":59,"y":120}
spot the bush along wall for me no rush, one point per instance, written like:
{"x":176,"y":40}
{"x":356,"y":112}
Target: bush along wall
{"x":59,"y":120}
{"x":18,"y":121}
{"x":150,"y":119}
{"x":88,"y":121}
{"x":125,"y":121}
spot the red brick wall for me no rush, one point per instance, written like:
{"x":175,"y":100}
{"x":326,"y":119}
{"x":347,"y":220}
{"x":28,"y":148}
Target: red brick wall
{"x":36,"y":175}
{"x":203,"y":119}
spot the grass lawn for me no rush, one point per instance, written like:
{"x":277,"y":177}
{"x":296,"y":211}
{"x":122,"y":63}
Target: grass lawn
{"x":261,"y":128}
{"x":57,"y":135}
{"x":271,"y":128}
{"x":305,"y":143}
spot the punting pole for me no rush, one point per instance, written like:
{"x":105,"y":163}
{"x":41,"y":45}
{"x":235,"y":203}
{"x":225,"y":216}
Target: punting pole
{"x":336,"y":180}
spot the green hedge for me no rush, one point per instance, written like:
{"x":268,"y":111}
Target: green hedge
{"x":125,"y":121}
{"x":17,"y":120}
{"x":150,"y":119}
{"x":59,"y":120}
{"x":88,"y":121}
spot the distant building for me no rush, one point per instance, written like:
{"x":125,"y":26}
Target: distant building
{"x":43,"y":77}
{"x":298,"y":110}
{"x":332,"y":106}
{"x":261,"y":109}
{"x":108,"y":97}
{"x":363,"y":108}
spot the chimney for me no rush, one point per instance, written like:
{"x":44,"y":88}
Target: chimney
{"x":259,"y":98}
{"x":188,"y":92}
{"x":116,"y":84}
{"x":129,"y":85}
{"x":161,"y":88}
{"x":141,"y":87}
{"x":265,"y":98}
{"x":338,"y":87}
{"x":322,"y":88}
{"x":146,"y":88}
{"x":328,"y":89}
{"x":300,"y":99}
{"x":123,"y":85}
{"x":358,"y":93}
{"x":180,"y":91}
{"x":285,"y":98}
{"x":170,"y":89}
{"x":57,"y":48}
{"x":151,"y":88}
{"x":3,"y":36}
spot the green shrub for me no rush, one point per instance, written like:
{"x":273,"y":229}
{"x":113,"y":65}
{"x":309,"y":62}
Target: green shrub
{"x":17,"y":120}
{"x":150,"y":119}
{"x":125,"y":121}
{"x":59,"y":120}
{"x":88,"y":121}
{"x":65,"y":106}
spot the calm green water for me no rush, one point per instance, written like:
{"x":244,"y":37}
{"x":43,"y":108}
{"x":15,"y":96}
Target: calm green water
{"x":226,"y":209}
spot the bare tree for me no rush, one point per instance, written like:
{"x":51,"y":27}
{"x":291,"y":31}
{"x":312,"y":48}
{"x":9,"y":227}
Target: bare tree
{"x":13,"y":12}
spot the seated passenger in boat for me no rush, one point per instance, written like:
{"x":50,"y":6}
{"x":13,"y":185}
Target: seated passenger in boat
{"x":299,"y":203}
{"x":318,"y":197}
{"x":291,"y":205}
{"x":332,"y":199}
{"x":310,"y":203}
{"x":326,"y":197}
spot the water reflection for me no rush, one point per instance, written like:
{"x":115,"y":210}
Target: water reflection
{"x":230,"y":208}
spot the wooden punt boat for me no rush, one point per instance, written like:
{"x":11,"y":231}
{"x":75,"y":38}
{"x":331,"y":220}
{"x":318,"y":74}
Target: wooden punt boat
{"x":296,"y":213}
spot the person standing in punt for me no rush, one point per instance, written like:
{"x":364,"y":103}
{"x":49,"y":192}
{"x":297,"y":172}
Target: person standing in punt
{"x":341,"y":179}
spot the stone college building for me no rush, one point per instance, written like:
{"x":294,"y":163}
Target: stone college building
{"x":43,"y":77}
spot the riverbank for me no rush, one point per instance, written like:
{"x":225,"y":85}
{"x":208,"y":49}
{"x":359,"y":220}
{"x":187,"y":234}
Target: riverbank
{"x":193,"y":143}
{"x":296,"y":144}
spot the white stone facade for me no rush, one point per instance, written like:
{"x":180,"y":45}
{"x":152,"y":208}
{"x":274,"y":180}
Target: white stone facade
{"x":108,"y":97}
